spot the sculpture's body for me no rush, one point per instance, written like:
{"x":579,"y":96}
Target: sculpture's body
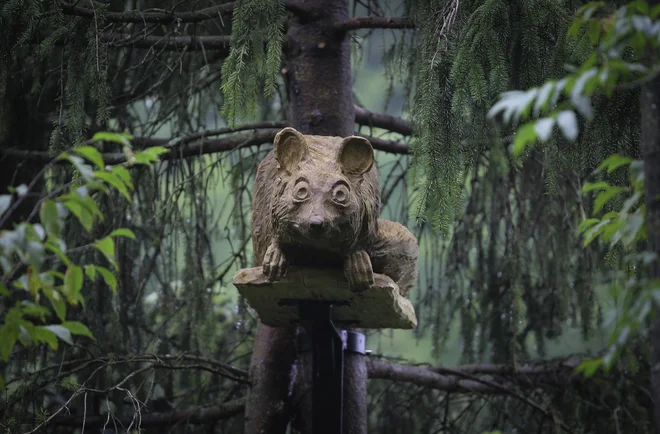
{"x":316,"y":203}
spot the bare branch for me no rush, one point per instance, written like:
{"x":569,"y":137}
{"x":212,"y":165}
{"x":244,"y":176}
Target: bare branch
{"x":376,"y":23}
{"x":197,"y":416}
{"x":378,"y":120}
{"x":167,"y":42}
{"x":161,"y":17}
{"x":389,"y":146}
{"x":379,"y":369}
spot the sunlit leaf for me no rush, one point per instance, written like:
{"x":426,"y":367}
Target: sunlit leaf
{"x":115,"y":181}
{"x":107,"y":247}
{"x":92,"y":154}
{"x":524,"y":136}
{"x":43,"y":334}
{"x":62,"y":333}
{"x":108,"y":277}
{"x":77,"y":328}
{"x":121,"y":138}
{"x":122,"y":232}
{"x":568,"y":124}
{"x":73,"y":281}
{"x":613,"y":162}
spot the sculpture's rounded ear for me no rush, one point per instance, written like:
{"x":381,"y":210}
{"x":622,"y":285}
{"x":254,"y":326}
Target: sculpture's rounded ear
{"x":356,"y":156}
{"x":290,"y":148}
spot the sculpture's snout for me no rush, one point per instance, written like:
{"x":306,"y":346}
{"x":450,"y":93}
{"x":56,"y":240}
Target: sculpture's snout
{"x":317,"y":224}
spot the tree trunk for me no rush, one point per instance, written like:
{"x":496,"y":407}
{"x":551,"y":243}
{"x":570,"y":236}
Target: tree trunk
{"x":321,"y":102}
{"x":650,"y":101}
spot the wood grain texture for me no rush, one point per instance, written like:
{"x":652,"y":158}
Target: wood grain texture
{"x":380,"y":306}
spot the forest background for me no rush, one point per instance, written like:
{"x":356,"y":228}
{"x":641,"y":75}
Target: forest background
{"x":509,"y":299}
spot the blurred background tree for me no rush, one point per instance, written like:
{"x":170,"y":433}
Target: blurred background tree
{"x":508,"y":299}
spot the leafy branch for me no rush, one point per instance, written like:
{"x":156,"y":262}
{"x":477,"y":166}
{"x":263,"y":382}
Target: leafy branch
{"x":32,"y":254}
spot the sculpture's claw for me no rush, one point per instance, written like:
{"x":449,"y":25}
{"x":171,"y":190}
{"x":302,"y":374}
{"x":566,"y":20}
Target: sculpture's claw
{"x":275,"y":263}
{"x":358,"y":271}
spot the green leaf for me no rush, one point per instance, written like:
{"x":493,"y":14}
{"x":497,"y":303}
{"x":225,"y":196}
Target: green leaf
{"x":43,"y":334}
{"x":594,"y":31}
{"x":63,"y":333}
{"x":57,"y":246}
{"x":90,"y":271}
{"x":115,"y":181}
{"x":57,"y":301}
{"x":605,"y":197}
{"x":85,"y":218}
{"x":5,"y":202}
{"x":77,"y":328}
{"x":8,"y":336}
{"x":122,"y":232}
{"x":121,"y":138}
{"x":92,"y":154}
{"x":587,"y":224}
{"x":107,"y":247}
{"x":594,"y":231}
{"x":108,"y":277}
{"x":3,"y":290}
{"x":524,"y":136}
{"x":50,"y":217}
{"x":589,"y":367}
{"x":85,"y":169}
{"x":568,"y":124}
{"x":73,"y":281}
{"x":124,"y":175}
{"x":613,"y":162}
{"x":591,"y":186}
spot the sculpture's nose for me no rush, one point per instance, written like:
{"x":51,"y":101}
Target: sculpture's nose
{"x":316,"y":223}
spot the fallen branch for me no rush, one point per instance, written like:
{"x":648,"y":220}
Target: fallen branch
{"x":197,"y":416}
{"x":378,"y":120}
{"x":161,"y":17}
{"x":376,"y":23}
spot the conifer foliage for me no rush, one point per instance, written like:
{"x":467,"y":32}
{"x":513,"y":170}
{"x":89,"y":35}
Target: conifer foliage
{"x":505,"y":279}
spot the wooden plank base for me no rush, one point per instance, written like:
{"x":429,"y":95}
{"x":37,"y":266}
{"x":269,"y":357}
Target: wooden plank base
{"x":378,"y":307}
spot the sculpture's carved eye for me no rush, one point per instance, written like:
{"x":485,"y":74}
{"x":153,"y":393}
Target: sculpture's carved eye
{"x":340,"y":194}
{"x":301,"y":191}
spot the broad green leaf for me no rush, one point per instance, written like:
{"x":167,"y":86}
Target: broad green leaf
{"x":124,"y":175}
{"x":122,"y":232}
{"x":115,"y":181}
{"x":543,"y":128}
{"x":586,"y":224}
{"x":594,"y":31}
{"x":568,"y":124}
{"x":121,"y":138}
{"x":589,"y":367}
{"x":108,"y":277}
{"x":613,"y":162}
{"x":5,"y":202}
{"x":591,"y":186}
{"x":155,"y":151}
{"x":73,"y":281}
{"x":92,"y":154}
{"x":107,"y":247}
{"x":524,"y":136}
{"x":8,"y":336}
{"x":43,"y":334}
{"x":85,"y":218}
{"x":57,"y":246}
{"x":57,"y":301}
{"x":3,"y":290}
{"x":594,"y":231}
{"x":90,"y":271}
{"x":77,"y":328}
{"x":85,"y":169}
{"x":63,"y":333}
{"x":603,"y":197}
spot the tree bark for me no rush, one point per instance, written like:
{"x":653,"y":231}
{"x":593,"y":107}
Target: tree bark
{"x":321,"y":102}
{"x":650,"y":137}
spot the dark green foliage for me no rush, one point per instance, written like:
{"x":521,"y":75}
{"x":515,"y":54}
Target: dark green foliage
{"x":255,"y":23}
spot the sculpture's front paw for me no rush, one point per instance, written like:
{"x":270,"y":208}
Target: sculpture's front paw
{"x":358,"y":271}
{"x":275,"y":263}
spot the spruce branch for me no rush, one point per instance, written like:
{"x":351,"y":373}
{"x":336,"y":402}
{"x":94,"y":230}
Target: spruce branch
{"x":160,"y":17}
